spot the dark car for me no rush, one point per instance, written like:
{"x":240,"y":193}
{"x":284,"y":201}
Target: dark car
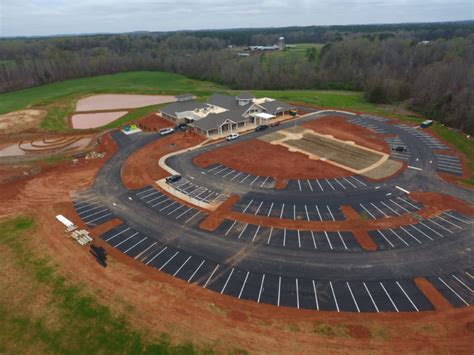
{"x":173,"y":178}
{"x":400,"y":148}
{"x":181,"y":127}
{"x":262,"y":127}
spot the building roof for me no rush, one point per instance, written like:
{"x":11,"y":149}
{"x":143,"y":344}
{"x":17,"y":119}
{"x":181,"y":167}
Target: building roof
{"x":186,"y":95}
{"x":224,"y":101}
{"x":275,"y":106}
{"x":213,"y":121}
{"x":245,"y":96}
{"x":182,"y":106}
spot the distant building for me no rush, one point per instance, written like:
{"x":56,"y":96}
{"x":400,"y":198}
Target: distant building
{"x":223,"y":114}
{"x":281,"y":43}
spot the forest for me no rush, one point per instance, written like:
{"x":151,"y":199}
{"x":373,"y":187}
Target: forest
{"x":427,"y":66}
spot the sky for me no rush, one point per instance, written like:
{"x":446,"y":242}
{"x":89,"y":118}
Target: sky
{"x":50,"y":17}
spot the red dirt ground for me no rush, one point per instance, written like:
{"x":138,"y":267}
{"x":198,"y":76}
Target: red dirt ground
{"x":154,"y":122}
{"x":261,"y":158}
{"x":339,"y":128}
{"x":142,"y":169}
{"x":156,"y":302}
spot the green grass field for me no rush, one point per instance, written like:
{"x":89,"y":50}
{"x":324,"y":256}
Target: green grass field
{"x":59,"y":99}
{"x":43,"y":312}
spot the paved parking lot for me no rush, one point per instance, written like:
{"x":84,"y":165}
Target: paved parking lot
{"x":287,"y":238}
{"x":198,"y":192}
{"x":302,"y":292}
{"x":89,"y":208}
{"x":295,"y":211}
{"x":457,"y":288}
{"x":168,"y":207}
{"x":395,"y":206}
{"x":426,"y":138}
{"x":448,"y":164}
{"x":446,"y":225}
{"x":326,"y":185}
{"x":395,"y":142}
{"x":224,"y":172}
{"x":370,"y":122}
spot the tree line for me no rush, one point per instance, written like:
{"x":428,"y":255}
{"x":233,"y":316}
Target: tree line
{"x":435,"y":76}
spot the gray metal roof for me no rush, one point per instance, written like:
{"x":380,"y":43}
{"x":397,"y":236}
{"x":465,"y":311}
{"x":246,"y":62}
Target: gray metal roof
{"x":224,"y":101}
{"x":245,"y":96}
{"x":181,"y":106}
{"x":214,"y":120}
{"x":276,"y":106}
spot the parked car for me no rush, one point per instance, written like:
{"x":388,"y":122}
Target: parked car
{"x":262,"y":127}
{"x":232,"y":136}
{"x":400,"y":148}
{"x":173,"y":178}
{"x":181,"y":127}
{"x":165,"y":131}
{"x":275,"y":124}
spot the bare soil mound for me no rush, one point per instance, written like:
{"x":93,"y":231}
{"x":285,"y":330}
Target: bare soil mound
{"x":19,"y":121}
{"x":154,"y":122}
{"x":94,"y":120}
{"x":120,"y":101}
{"x":264,"y":159}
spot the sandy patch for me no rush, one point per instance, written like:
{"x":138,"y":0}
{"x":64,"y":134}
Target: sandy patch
{"x":22,"y":120}
{"x":94,"y":120}
{"x":11,"y":150}
{"x":120,"y":101}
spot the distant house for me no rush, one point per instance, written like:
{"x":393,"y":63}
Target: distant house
{"x":222,"y":114}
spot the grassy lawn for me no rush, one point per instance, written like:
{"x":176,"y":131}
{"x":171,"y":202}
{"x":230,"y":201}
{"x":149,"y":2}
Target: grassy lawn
{"x":42,"y":312}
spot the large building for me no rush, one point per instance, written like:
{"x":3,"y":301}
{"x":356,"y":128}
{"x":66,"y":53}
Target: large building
{"x":223,"y":114}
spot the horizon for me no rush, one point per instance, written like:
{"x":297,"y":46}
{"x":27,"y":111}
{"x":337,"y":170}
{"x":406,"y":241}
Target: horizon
{"x":45,"y":18}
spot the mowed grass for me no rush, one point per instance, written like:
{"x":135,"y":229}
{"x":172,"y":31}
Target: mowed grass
{"x":59,"y":98}
{"x":42,"y":312}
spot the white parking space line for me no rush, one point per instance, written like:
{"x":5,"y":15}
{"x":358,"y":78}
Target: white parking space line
{"x":246,"y":207}
{"x":384,"y":237}
{"x":431,"y":229}
{"x":150,"y":194}
{"x":179,"y":269}
{"x":462,"y":283}
{"x":390,"y":208}
{"x":390,"y":298}
{"x":408,"y":203}
{"x":299,"y":238}
{"x":86,"y":205}
{"x":342,"y":240}
{"x":210,"y":276}
{"x":93,"y":214}
{"x":261,"y":288}
{"x":284,"y":237}
{"x":176,"y":209}
{"x":117,"y":234}
{"x":400,"y":206}
{"x":218,"y":172}
{"x":454,"y":292}
{"x":90,"y":209}
{"x":156,"y":198}
{"x":256,"y":232}
{"x":245,"y":178}
{"x":160,"y":252}
{"x":183,"y":213}
{"x":214,"y":168}
{"x":144,"y":251}
{"x":297,"y":296}
{"x":270,"y":210}
{"x":299,"y":185}
{"x":411,"y":235}
{"x":440,"y":226}
{"x":270,"y":235}
{"x":195,"y":271}
{"x":349,"y":182}
{"x":100,"y":217}
{"x":126,"y":251}
{"x":413,"y":167}
{"x":353,"y":298}
{"x":314,"y":240}
{"x":332,"y":187}
{"x":378,"y":209}
{"x":307,"y":214}
{"x":402,"y":189}
{"x":359,"y":181}
{"x":263,"y":183}
{"x":279,"y":290}
{"x":329,"y":241}
{"x":406,"y":294}
{"x":315,"y":296}
{"x":235,"y":176}
{"x":168,"y":206}
{"x":243,"y":230}
{"x":319,"y":184}
{"x":340,"y":184}
{"x":174,"y":255}
{"x":330,"y":213}
{"x":294,"y":212}
{"x":159,"y":203}
{"x":228,"y":173}
{"x":309,"y":184}
{"x":243,"y":285}
{"x":282,"y":209}
{"x":256,"y":178}
{"x":366,"y":210}
{"x":192,"y":217}
{"x":419,"y":230}
{"x":258,"y":208}
{"x":334,"y":296}
{"x":227,"y":281}
{"x":458,"y":219}
{"x":371,"y":298}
